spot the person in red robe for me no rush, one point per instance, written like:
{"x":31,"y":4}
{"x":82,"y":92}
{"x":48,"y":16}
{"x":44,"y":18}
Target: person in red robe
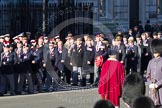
{"x":111,"y":79}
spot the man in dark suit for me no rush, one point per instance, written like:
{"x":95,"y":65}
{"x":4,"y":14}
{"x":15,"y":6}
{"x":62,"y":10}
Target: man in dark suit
{"x":145,"y":53}
{"x":7,"y":61}
{"x":58,"y":58}
{"x":36,"y":65}
{"x":45,"y":52}
{"x":49,"y":64}
{"x":88,"y":62}
{"x":18,"y":66}
{"x":77,"y":60}
{"x":100,"y":50}
{"x":120,"y":49}
{"x":26,"y":58}
{"x":13,"y":53}
{"x":131,"y":57}
{"x":66,"y":55}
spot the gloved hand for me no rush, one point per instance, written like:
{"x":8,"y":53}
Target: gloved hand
{"x":153,"y":86}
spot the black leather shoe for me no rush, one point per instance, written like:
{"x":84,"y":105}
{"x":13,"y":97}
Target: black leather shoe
{"x":12,"y":94}
{"x":30,"y":93}
{"x":1,"y":94}
{"x":74,"y":84}
{"x":18,"y":93}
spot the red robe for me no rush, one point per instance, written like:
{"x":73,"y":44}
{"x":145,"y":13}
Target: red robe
{"x":111,"y":81}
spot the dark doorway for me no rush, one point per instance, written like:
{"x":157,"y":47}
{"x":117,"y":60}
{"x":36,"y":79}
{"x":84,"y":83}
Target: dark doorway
{"x":134,"y":12}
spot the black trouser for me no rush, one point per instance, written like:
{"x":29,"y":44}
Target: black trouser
{"x":23,"y":77}
{"x":16,"y":77}
{"x":3,"y":83}
{"x":67,"y":75}
{"x":52,"y":78}
{"x":144,"y":63}
{"x":83,"y":80}
{"x":37,"y":80}
{"x":91,"y":79}
{"x":37,"y":76}
{"x":131,"y":65}
{"x":59,"y":73}
{"x":44,"y":75}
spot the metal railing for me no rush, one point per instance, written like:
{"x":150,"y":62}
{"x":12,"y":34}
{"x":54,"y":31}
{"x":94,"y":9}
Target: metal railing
{"x":25,"y":16}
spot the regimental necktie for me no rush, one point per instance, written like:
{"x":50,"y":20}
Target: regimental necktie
{"x":97,"y":47}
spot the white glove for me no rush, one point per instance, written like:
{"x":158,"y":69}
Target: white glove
{"x":152,"y":86}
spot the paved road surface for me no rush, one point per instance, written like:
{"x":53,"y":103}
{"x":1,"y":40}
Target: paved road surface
{"x":66,"y":99}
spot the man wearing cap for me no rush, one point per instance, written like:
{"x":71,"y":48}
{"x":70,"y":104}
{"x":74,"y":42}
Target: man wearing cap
{"x":49,"y":64}
{"x":20,"y":36}
{"x":100,"y":50}
{"x":7,"y":38}
{"x":18,"y":66}
{"x":45,"y":47}
{"x":7,"y":61}
{"x":57,"y":38}
{"x":13,"y":53}
{"x":111,"y":79}
{"x":25,"y":74}
{"x":69,"y":36}
{"x":66,"y":56}
{"x":58,"y":58}
{"x":88,"y":62}
{"x":77,"y":60}
{"x":131,"y":57}
{"x":45,"y":52}
{"x":15,"y":41}
{"x":69,"y":41}
{"x":37,"y":54}
{"x":33,"y":43}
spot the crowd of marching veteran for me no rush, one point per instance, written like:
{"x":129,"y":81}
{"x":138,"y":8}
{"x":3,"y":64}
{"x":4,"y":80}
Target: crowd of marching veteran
{"x":43,"y":62}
